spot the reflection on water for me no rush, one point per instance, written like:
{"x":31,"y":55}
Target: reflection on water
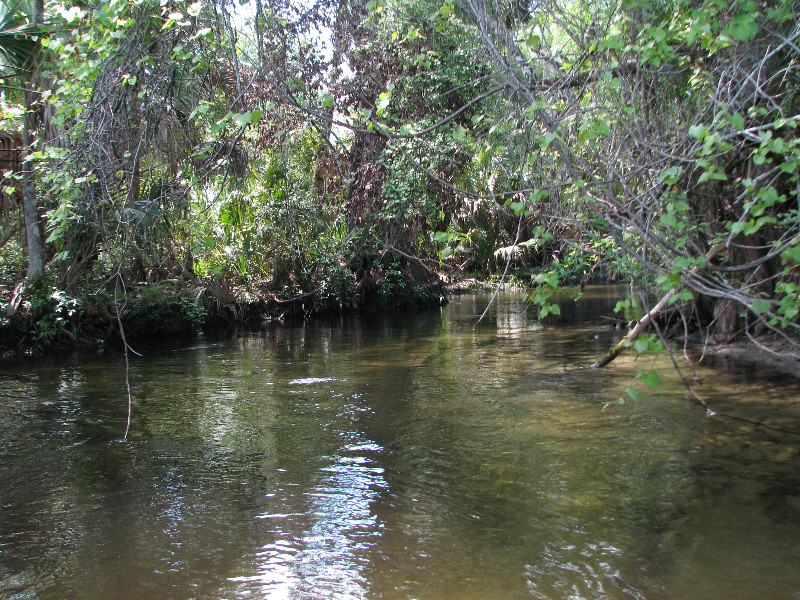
{"x":406,"y":456}
{"x":319,"y":552}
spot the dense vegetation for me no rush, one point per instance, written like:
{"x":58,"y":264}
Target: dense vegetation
{"x":184,"y":161}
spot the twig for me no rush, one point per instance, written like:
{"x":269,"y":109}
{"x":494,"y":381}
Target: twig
{"x":125,"y":347}
{"x":685,"y":381}
{"x":502,"y":279}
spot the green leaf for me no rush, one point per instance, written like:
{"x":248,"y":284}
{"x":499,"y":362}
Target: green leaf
{"x":641,"y":346}
{"x":539,"y":195}
{"x":548,"y":139}
{"x":776,"y":145}
{"x":442,"y":237}
{"x":698,"y":132}
{"x":670,"y":176}
{"x":242,"y":119}
{"x":737,"y":121}
{"x":650,"y":378}
{"x":459,"y":133}
{"x":743,"y":27}
{"x":383,"y":101}
{"x":594,"y":131}
{"x":533,"y":41}
{"x":761,"y":306}
{"x":738,"y":227}
{"x":634,"y":394}
{"x":658,"y":33}
{"x":669,"y":220}
{"x":792,"y":253}
{"x":622,"y":305}
{"x":769,"y":195}
{"x":517,"y":207}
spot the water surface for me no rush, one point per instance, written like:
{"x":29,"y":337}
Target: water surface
{"x":404,"y":456}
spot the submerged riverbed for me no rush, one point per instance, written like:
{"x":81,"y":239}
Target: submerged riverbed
{"x":403,"y":456}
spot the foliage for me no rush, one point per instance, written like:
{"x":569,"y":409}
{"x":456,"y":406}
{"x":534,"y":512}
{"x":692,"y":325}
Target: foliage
{"x":44,"y":317}
{"x":163,"y":309}
{"x":17,"y":45}
{"x":641,"y":133}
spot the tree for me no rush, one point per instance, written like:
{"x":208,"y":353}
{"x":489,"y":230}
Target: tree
{"x":145,"y":122}
{"x":20,"y":24}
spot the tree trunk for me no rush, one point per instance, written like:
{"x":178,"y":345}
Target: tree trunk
{"x":29,"y":206}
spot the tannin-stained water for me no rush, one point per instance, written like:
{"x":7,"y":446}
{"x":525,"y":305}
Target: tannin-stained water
{"x":405,"y":456}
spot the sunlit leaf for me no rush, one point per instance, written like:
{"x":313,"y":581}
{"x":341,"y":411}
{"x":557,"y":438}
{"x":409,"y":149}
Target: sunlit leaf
{"x":634,"y":394}
{"x":242,"y":119}
{"x":650,"y":378}
{"x":697,"y":131}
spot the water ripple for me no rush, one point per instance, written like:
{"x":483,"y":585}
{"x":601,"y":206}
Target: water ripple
{"x":575,"y":573}
{"x":321,"y":551}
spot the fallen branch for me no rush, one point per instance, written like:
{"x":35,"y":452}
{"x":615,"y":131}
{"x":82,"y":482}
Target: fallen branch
{"x":644,"y":322}
{"x":634,"y":333}
{"x":16,"y":299}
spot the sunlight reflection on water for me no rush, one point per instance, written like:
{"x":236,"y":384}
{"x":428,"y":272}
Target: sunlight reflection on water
{"x":320,"y":553}
{"x":579,"y":574}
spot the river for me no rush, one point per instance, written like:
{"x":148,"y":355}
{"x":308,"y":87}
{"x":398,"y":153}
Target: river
{"x":418,"y":456}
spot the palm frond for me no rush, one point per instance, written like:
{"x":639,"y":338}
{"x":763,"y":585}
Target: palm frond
{"x":17,"y":38}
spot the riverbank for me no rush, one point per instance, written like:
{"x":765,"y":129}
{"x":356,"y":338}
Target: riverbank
{"x":763,"y":356}
{"x":42,"y":319}
{"x":50,"y":321}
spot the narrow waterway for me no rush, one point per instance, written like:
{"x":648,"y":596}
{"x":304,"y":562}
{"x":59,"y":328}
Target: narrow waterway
{"x":401,"y":457}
